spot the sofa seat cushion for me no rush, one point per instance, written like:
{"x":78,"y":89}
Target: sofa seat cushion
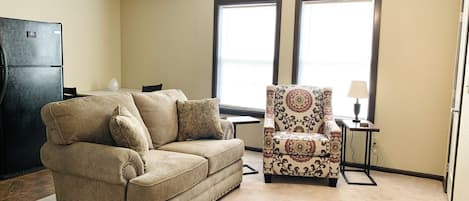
{"x":219,"y":153}
{"x":303,"y":166}
{"x":302,"y":144}
{"x":167,"y":174}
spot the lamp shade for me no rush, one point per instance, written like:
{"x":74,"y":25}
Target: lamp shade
{"x":358,"y":89}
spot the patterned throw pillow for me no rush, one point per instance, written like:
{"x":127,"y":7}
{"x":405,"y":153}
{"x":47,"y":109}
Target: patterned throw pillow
{"x":199,"y":119}
{"x":127,"y":131}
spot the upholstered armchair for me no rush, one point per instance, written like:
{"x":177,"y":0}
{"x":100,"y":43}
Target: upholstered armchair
{"x":301,"y":137}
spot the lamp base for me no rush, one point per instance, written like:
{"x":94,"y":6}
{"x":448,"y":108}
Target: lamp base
{"x":356,"y":110}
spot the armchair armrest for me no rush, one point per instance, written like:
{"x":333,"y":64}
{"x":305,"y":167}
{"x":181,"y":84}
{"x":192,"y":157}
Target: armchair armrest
{"x":334,"y":133}
{"x":114,"y":165}
{"x":269,"y":129}
{"x":269,"y":123}
{"x":228,"y":129}
{"x":332,"y":129}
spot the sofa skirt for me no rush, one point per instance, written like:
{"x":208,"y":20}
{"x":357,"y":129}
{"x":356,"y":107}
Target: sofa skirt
{"x":75,"y":188}
{"x":215,"y":186}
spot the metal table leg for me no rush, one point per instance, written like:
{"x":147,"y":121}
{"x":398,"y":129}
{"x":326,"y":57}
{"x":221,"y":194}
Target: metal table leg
{"x":343,"y":151}
{"x":252,"y":170}
{"x":367,"y":161}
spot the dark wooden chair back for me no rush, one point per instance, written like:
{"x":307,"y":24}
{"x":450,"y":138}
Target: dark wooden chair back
{"x":70,"y":93}
{"x":150,"y":88}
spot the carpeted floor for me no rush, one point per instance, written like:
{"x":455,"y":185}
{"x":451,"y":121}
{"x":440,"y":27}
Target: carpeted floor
{"x":391,"y":187}
{"x":48,"y":198}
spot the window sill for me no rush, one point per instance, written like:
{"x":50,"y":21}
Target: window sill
{"x":231,"y":110}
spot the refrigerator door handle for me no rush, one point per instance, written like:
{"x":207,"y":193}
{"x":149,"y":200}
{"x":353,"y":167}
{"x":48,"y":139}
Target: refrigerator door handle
{"x":4,"y":73}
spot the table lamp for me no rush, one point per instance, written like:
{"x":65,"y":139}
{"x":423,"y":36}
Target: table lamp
{"x":357,"y":90}
{"x":113,"y":85}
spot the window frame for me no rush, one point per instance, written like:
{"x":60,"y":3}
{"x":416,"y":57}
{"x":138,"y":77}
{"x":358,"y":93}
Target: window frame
{"x":217,"y":3}
{"x":374,"y":49}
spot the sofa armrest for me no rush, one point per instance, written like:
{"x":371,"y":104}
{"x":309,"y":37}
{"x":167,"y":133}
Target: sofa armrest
{"x":114,"y":165}
{"x":228,"y":129}
{"x":334,"y":133}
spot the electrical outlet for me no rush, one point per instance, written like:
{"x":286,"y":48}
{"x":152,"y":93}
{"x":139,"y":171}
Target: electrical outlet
{"x":374,"y":145}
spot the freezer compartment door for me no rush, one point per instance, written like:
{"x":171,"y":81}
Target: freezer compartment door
{"x":28,"y":43}
{"x":28,"y":89}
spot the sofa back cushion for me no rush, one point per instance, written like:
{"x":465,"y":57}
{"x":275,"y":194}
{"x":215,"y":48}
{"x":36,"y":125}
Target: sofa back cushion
{"x":159,"y":112}
{"x":86,"y":119}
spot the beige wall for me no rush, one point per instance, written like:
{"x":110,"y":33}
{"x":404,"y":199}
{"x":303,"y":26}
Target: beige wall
{"x":416,"y":67}
{"x":91,"y":36}
{"x":168,"y":42}
{"x":171,"y":42}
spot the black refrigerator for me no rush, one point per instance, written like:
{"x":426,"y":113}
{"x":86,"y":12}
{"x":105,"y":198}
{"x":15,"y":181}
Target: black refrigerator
{"x":31,"y":76}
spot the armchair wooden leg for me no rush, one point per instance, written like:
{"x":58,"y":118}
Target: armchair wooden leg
{"x":332,"y":182}
{"x":267,"y":178}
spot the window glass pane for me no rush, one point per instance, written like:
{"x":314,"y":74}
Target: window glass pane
{"x":335,"y":48}
{"x":246,"y":44}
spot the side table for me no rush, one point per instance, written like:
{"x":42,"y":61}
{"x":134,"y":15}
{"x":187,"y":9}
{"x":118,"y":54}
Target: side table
{"x":363,"y":126}
{"x":235,"y":120}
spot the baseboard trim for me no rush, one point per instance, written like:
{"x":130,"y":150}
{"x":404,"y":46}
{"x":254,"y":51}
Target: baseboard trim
{"x":398,"y":171}
{"x":22,"y":172}
{"x":256,"y":149}
{"x":378,"y":168}
{"x":444,"y":182}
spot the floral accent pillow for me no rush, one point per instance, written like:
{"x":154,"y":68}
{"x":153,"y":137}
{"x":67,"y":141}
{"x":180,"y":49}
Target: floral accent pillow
{"x":199,"y":119}
{"x":127,"y":131}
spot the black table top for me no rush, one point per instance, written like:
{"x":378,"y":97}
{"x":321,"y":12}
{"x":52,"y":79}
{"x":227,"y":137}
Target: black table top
{"x":363,"y":125}
{"x":242,"y":119}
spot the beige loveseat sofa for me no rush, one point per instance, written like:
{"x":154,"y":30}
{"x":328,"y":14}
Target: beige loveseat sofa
{"x":86,"y":164}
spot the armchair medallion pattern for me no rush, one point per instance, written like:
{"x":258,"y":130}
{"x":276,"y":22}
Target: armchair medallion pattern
{"x":300,"y":136}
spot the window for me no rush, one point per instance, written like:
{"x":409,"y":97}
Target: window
{"x":245,"y":54}
{"x":336,"y":42}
